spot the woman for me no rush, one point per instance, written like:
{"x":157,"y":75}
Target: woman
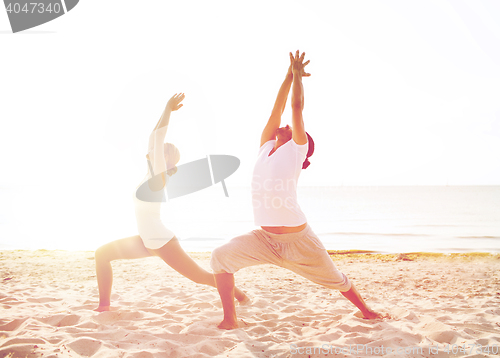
{"x":284,"y":239}
{"x":154,"y":238}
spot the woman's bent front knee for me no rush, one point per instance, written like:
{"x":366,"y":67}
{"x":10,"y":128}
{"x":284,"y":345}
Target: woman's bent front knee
{"x":102,"y":254}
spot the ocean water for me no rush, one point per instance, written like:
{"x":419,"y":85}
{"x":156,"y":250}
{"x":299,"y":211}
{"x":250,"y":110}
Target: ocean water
{"x":379,"y":219}
{"x":389,"y":219}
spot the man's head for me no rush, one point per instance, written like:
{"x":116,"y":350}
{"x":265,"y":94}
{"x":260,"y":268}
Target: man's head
{"x":310,"y":151}
{"x":284,"y":134}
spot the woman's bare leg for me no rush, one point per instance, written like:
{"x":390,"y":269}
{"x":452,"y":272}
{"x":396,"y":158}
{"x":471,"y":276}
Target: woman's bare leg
{"x":128,"y":248}
{"x":175,"y":256}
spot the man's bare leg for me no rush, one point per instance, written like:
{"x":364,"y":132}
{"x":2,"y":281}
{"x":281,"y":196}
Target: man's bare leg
{"x":225,"y":286}
{"x":354,"y":296}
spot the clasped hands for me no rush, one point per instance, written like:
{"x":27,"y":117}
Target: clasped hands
{"x":297,"y":65}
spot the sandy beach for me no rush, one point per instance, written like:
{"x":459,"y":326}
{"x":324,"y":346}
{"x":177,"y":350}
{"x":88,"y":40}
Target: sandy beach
{"x":436,"y":302}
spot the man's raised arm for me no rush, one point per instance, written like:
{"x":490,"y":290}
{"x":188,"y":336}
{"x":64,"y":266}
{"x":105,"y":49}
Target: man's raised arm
{"x":274,"y":121}
{"x":298,"y":131}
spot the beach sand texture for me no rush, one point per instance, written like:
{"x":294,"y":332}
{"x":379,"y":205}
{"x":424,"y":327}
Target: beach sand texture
{"x":47,"y":300}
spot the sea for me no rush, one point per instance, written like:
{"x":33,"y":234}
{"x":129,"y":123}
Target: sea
{"x":379,"y":219}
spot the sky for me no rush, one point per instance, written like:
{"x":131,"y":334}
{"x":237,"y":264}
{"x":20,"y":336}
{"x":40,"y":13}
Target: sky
{"x":400,"y":93}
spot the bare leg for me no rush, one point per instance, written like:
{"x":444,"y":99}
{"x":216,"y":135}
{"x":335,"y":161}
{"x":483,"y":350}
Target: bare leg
{"x":175,"y":256}
{"x":225,"y":286}
{"x":128,"y":248}
{"x":354,"y":296}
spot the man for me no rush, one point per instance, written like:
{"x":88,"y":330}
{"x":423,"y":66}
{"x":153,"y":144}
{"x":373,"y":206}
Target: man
{"x":285,"y":239}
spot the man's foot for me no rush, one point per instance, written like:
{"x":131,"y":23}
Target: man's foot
{"x":102,"y":309}
{"x":228,"y":325}
{"x":105,"y":308}
{"x":370,"y":314}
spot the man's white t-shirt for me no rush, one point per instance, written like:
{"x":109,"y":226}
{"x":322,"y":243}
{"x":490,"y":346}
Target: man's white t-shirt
{"x":274,"y":185}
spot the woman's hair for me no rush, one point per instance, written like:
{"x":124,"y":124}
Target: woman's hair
{"x":310,"y":151}
{"x":172,"y":155}
{"x":171,"y":171}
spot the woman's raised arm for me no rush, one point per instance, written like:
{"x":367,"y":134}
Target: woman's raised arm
{"x":157,"y":138}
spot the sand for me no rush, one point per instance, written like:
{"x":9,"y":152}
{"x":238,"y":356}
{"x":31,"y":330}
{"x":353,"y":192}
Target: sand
{"x":437,"y":301}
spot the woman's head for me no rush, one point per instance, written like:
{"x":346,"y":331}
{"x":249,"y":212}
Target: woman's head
{"x":172,"y":155}
{"x":310,"y":151}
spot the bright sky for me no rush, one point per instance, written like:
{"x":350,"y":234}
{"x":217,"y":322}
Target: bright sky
{"x":401,"y":93}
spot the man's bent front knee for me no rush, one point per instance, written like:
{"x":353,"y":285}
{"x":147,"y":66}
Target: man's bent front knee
{"x":219,"y":258}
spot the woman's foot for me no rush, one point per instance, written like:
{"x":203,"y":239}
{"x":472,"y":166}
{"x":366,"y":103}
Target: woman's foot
{"x":244,"y":301}
{"x":240,"y":296}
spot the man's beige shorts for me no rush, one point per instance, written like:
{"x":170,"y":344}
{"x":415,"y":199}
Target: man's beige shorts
{"x":301,"y":252}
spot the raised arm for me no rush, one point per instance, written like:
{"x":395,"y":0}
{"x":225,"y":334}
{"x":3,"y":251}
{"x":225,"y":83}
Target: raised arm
{"x":274,"y":121}
{"x":156,"y":140}
{"x":298,"y":131}
{"x":173,"y":104}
